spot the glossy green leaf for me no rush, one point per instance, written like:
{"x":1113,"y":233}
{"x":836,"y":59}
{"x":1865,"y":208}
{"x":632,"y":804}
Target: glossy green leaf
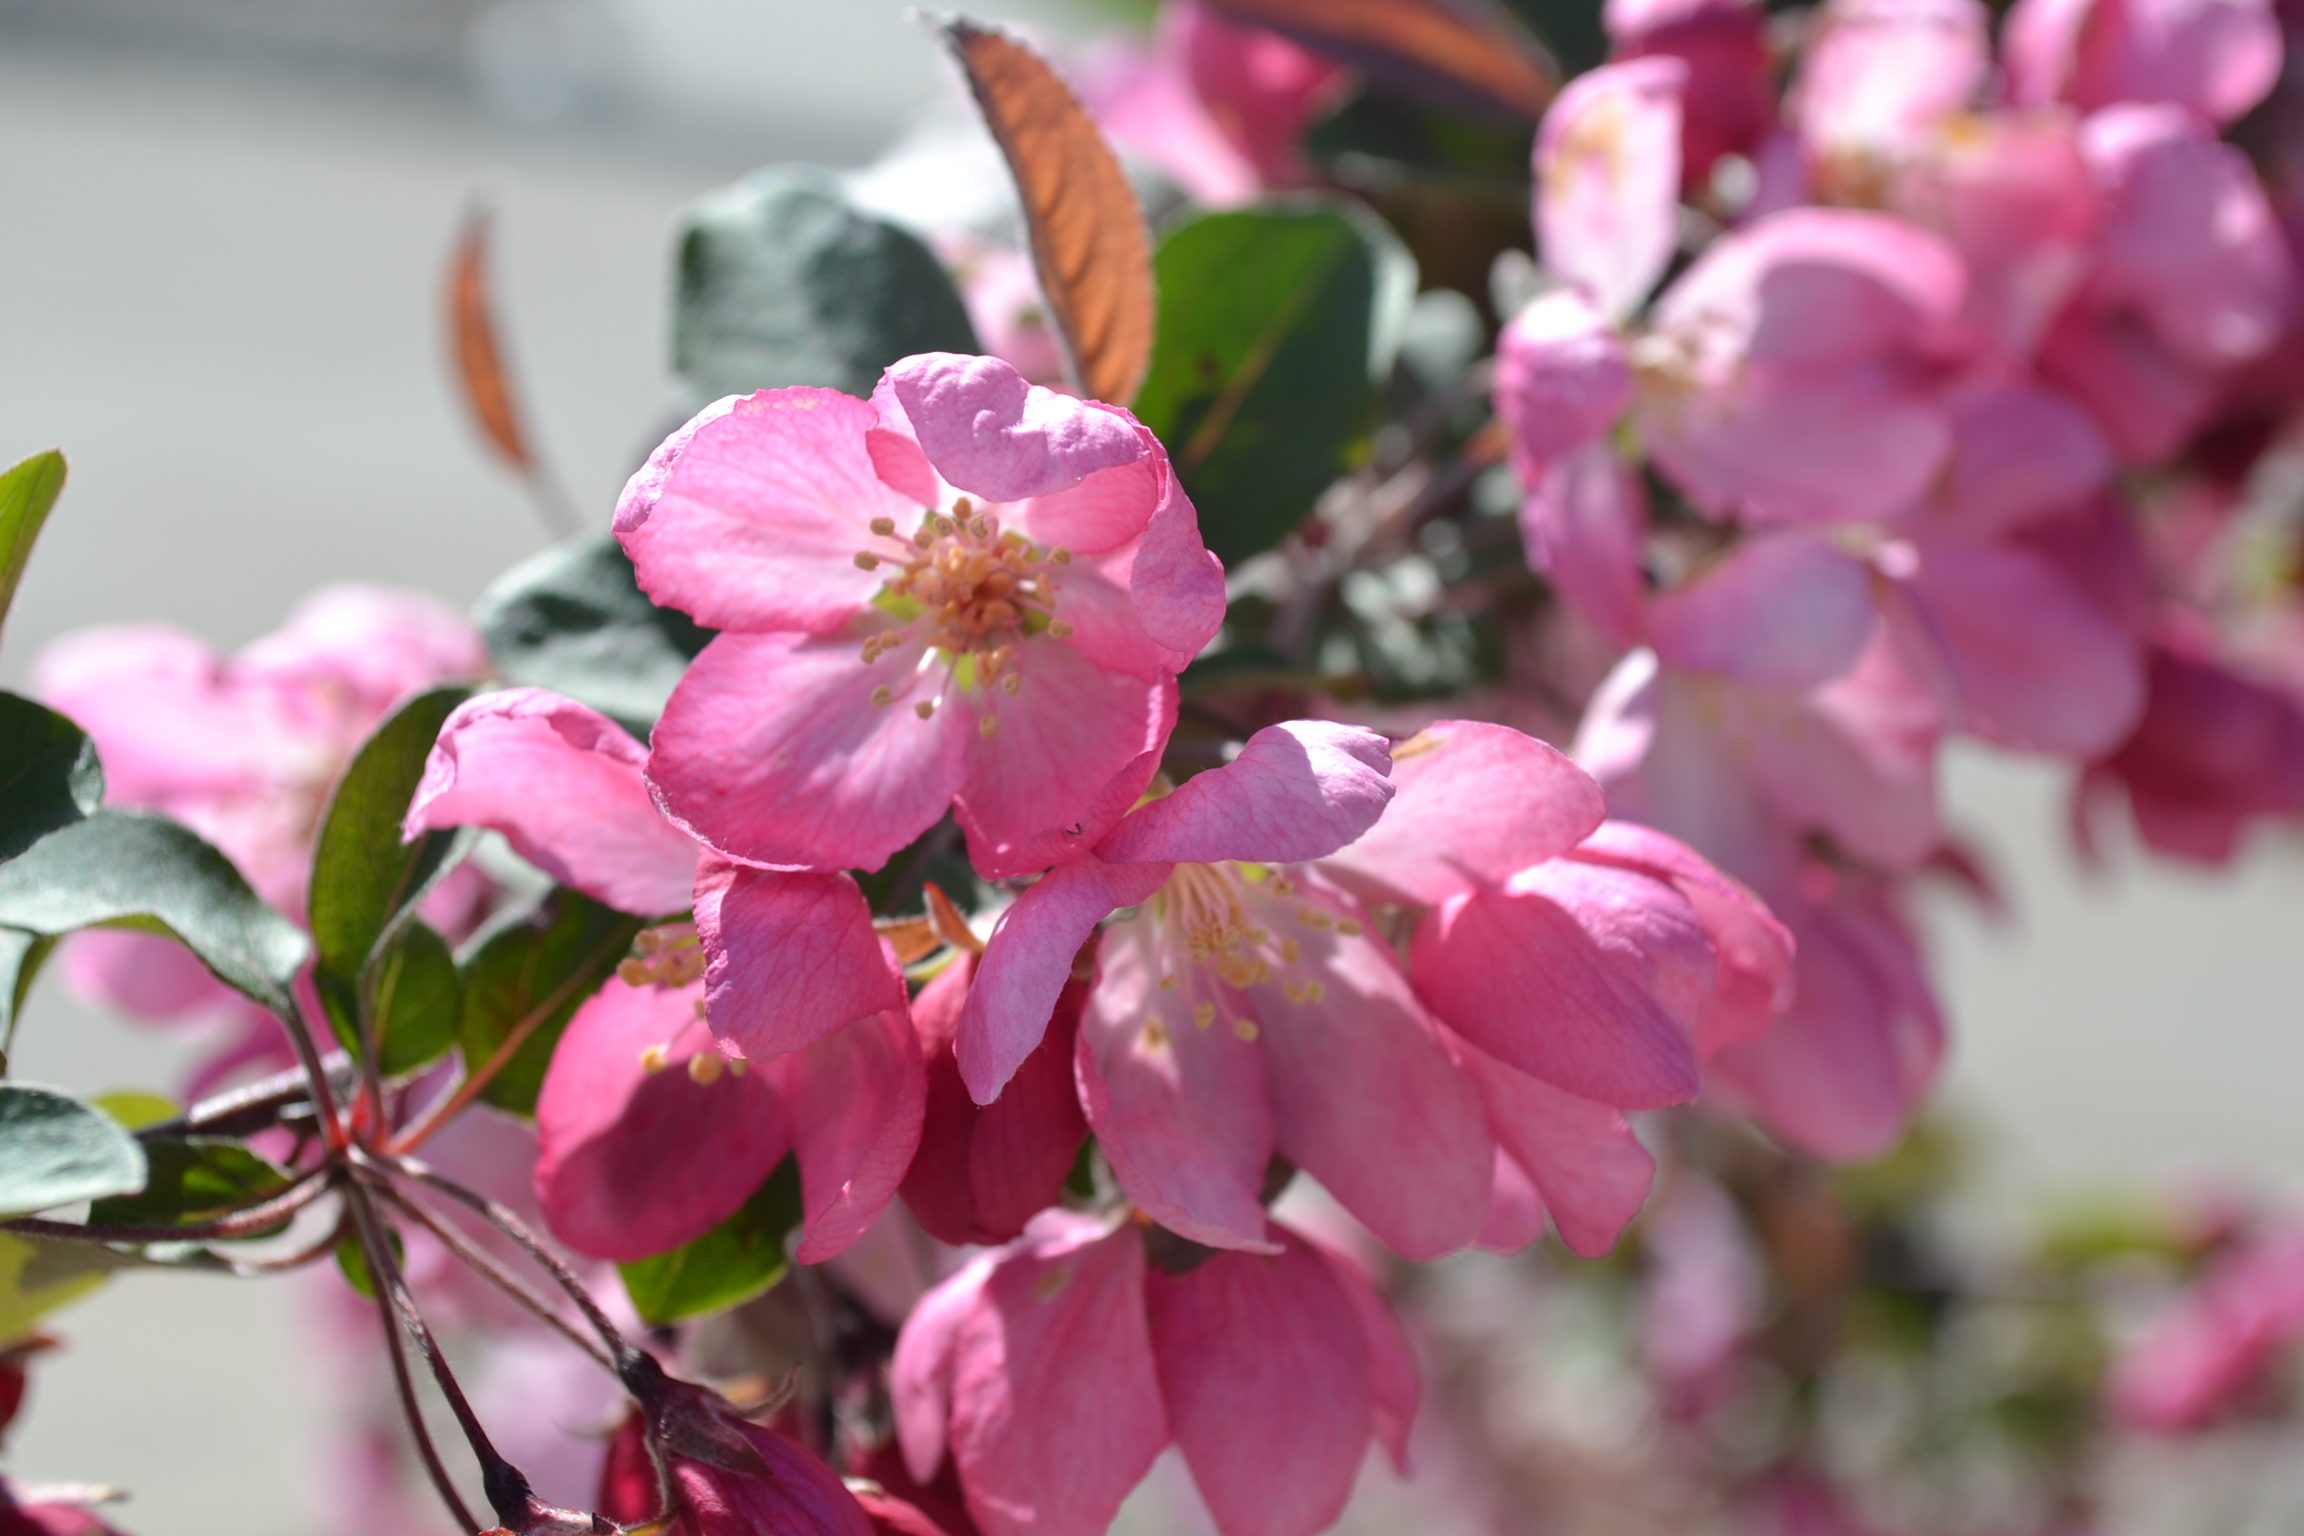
{"x":780,"y":281}
{"x":541,"y":968}
{"x":55,"y":1150}
{"x":365,"y":881}
{"x":192,"y":1180}
{"x":49,"y":776}
{"x":574,"y":620}
{"x":27,"y":495}
{"x":1276,"y":323}
{"x":732,"y":1263}
{"x":130,"y":869}
{"x":352,"y":1260}
{"x":419,"y":999}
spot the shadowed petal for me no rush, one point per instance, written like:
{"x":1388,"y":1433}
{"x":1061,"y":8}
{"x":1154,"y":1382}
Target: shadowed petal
{"x":857,"y":1096}
{"x":793,"y":957}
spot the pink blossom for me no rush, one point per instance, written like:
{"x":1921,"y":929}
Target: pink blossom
{"x":2218,"y":1339}
{"x":777,"y":1487}
{"x":1701,"y":1295}
{"x":969,"y":592}
{"x":1728,"y":101}
{"x":1054,"y":1371}
{"x":1877,"y":77}
{"x":1562,"y":379}
{"x":1607,"y":172}
{"x":2217,"y":58}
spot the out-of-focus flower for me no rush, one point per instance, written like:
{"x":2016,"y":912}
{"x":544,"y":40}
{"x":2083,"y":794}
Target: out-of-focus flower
{"x":2204,"y":1353}
{"x":1877,"y":77}
{"x":1052,"y":1372}
{"x":968,"y":593}
{"x":2215,"y":58}
{"x":1607,"y":169}
{"x":1728,"y":101}
{"x":31,"y":1509}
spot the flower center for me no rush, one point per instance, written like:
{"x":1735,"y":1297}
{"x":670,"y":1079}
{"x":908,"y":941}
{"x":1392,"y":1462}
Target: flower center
{"x":970,"y":590}
{"x":1226,"y":928}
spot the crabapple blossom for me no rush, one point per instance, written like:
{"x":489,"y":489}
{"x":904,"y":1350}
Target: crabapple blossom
{"x":969,"y":592}
{"x":2202,"y":1355}
{"x":1728,"y":102}
{"x":762,"y":1482}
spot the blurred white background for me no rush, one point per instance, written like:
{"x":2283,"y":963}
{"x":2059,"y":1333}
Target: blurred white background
{"x":217,"y":293}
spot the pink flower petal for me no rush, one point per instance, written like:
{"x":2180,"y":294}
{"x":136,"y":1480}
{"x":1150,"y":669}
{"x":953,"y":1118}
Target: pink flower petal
{"x":2217,"y":57}
{"x":994,"y":436}
{"x":1368,"y":1099}
{"x":1392,"y":1384}
{"x":1266,"y":1379}
{"x":772,"y":751}
{"x":1562,"y":981}
{"x":1515,"y":1210}
{"x":1181,"y":1110}
{"x":563,"y":784}
{"x":633,"y":1161}
{"x":857,"y":1096}
{"x":2148,"y":400}
{"x":1056,"y":1410}
{"x":1068,"y":742}
{"x":1583,"y":527}
{"x":920,"y":1373}
{"x":1178,"y":584}
{"x":1562,"y":378}
{"x":1607,"y":174}
{"x":1878,"y":76}
{"x":793,"y":957}
{"x":750,"y":516}
{"x":2020,"y":453}
{"x":1297,"y":791}
{"x":1029,"y":959}
{"x":1780,"y":611}
{"x":1591,"y":1171}
{"x":1110,"y":508}
{"x":1473,"y":804}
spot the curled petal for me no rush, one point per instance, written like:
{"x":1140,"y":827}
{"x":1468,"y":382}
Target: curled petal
{"x":1297,"y":791}
{"x":991,"y":434}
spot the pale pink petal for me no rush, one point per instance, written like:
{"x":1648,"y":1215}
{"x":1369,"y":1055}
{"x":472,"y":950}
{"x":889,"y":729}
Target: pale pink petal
{"x":793,"y":957}
{"x":1110,"y":508}
{"x":1064,"y":844}
{"x":1473,"y":804}
{"x":1583,"y":527}
{"x":1056,"y":1410}
{"x":772,"y":751}
{"x":1180,"y":1109}
{"x":2217,"y":57}
{"x":1029,"y":958}
{"x":1049,"y":764}
{"x":896,"y":455}
{"x":141,"y":974}
{"x":1392,"y":1384}
{"x":378,"y":643}
{"x":1368,"y":1099}
{"x":1097,"y":598}
{"x":1607,"y":173}
{"x":1562,"y":378}
{"x":920,"y":1374}
{"x":1780,"y":611}
{"x":994,"y":436}
{"x":1591,"y":1172}
{"x":751,"y":515}
{"x":856,"y":1101}
{"x":1178,"y":584}
{"x":563,"y":784}
{"x":1877,"y":76}
{"x":2020,"y":453}
{"x":1297,"y":791}
{"x":2028,"y":661}
{"x":635,"y":1159}
{"x":1266,"y":1379}
{"x":1515,"y":1210}
{"x":1564,"y":984}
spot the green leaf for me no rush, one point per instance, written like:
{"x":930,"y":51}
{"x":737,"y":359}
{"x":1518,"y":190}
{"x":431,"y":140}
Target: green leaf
{"x":365,"y":881}
{"x":419,"y":999}
{"x":732,"y":1263}
{"x":543,"y":966}
{"x":135,"y":1109}
{"x":352,"y":1259}
{"x":27,"y":494}
{"x":55,"y":1150}
{"x":1276,"y":324}
{"x":49,"y":776}
{"x":21,"y":956}
{"x":574,"y":620}
{"x":780,"y":281}
{"x":38,"y":1276}
{"x":129,"y":869}
{"x":198,"y":1179}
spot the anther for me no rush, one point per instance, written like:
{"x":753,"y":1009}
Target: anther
{"x":738,"y":1066}
{"x":1059,"y":630}
{"x":1349,"y":927}
{"x":924,"y":708}
{"x":988,"y":726}
{"x":884,"y":526}
{"x":883,"y":697}
{"x":1244,"y":1029}
{"x":1011,"y":683}
{"x":704,"y":1068}
{"x":1168,"y":982}
{"x":943,"y":525}
{"x":653,"y":1058}
{"x":1155,"y":1035}
{"x":926,"y":536}
{"x":1203,"y":1014}
{"x":1059,"y":556}
{"x":979,"y":528}
{"x":962,"y":506}
{"x":867,"y":561}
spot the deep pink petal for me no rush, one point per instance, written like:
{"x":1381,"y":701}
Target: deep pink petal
{"x":1607,"y":174}
{"x":1177,"y":583}
{"x":2020,"y":453}
{"x":992,"y":435}
{"x":1029,"y":959}
{"x":1369,"y":1100}
{"x":1056,"y":1410}
{"x":1095,"y":597}
{"x":1516,"y":1217}
{"x":1591,"y":1171}
{"x":1061,"y":740}
{"x":1473,"y":804}
{"x":633,"y":1161}
{"x":563,"y":784}
{"x":1297,"y":791}
{"x":1564,"y":984}
{"x":1110,"y":508}
{"x":773,"y":752}
{"x":920,"y":1373}
{"x":1181,"y":1109}
{"x":857,"y":1098}
{"x":2148,"y":400}
{"x":751,"y":515}
{"x":1392,"y":1385}
{"x":1780,"y":611}
{"x":2217,"y":57}
{"x":1562,"y":377}
{"x":1266,"y":1379}
{"x":793,"y":957}
{"x":1583,"y":526}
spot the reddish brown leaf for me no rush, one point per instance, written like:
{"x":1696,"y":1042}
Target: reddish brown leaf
{"x":1088,"y":239}
{"x":1456,"y":41}
{"x":472,"y":337}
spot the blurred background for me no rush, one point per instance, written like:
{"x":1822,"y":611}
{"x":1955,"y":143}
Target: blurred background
{"x":225,"y":224}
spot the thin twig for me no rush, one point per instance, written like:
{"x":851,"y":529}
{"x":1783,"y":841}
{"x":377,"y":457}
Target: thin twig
{"x":496,"y":1274}
{"x":338,"y":1135}
{"x":240,"y":1223}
